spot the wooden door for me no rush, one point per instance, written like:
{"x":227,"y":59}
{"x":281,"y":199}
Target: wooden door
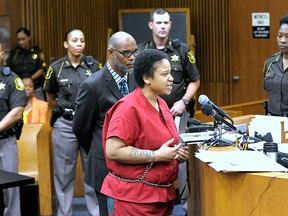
{"x":247,"y":55}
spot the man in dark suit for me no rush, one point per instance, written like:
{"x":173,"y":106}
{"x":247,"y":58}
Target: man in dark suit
{"x":96,"y":95}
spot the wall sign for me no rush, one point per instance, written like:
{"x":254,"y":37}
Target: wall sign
{"x":261,"y":25}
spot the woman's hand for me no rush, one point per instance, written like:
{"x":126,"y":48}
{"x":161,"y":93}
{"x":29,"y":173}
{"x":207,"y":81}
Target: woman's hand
{"x":182,"y":154}
{"x":166,"y":152}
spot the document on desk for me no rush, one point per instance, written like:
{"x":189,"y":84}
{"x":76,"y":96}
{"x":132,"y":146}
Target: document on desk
{"x":240,"y":161}
{"x":196,"y":137}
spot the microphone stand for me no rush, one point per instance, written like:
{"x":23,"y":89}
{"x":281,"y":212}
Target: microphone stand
{"x":218,"y":132}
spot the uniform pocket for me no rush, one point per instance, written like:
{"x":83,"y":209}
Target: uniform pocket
{"x":269,"y":81}
{"x":177,"y":73}
{"x":66,"y":87}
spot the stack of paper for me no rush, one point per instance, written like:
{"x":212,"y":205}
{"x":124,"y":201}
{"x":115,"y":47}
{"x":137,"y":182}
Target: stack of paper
{"x":239,"y":161}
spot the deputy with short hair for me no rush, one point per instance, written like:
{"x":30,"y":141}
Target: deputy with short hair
{"x":12,"y":103}
{"x":183,"y":63}
{"x":63,"y":79}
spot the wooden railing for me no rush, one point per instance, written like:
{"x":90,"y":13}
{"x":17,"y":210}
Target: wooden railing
{"x":254,"y":108}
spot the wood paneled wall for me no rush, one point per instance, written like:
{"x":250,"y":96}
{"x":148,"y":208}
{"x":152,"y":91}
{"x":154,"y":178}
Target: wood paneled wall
{"x":50,"y":19}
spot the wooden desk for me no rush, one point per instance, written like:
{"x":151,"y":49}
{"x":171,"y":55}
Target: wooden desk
{"x":8,"y":179}
{"x":233,"y":194}
{"x":220,"y":194}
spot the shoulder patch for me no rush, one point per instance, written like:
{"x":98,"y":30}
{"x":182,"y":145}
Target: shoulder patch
{"x":49,"y":73}
{"x":191,"y":57}
{"x":19,"y":84}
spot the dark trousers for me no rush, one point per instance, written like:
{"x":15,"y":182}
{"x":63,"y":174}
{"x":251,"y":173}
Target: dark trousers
{"x":102,"y":199}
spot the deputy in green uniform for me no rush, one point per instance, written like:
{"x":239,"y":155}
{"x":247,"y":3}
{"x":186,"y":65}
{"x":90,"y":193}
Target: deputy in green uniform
{"x":13,"y":100}
{"x":183,"y":63}
{"x":28,"y":61}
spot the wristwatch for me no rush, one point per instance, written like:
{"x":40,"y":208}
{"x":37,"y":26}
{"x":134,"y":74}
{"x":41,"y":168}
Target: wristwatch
{"x":185,"y":101}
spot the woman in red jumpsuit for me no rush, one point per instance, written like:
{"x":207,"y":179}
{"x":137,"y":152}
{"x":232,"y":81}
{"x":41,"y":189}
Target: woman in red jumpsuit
{"x":141,"y":145}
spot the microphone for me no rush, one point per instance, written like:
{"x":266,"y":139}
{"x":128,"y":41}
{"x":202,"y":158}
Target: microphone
{"x":203,"y":99}
{"x":207,"y":109}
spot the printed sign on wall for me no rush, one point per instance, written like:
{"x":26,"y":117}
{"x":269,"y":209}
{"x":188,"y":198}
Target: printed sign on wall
{"x":261,"y":25}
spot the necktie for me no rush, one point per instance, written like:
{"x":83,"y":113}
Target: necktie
{"x":123,"y":88}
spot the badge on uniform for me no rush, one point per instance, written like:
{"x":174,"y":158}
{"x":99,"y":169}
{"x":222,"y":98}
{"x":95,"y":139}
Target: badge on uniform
{"x":174,"y":58}
{"x":19,"y":84}
{"x":88,"y":73}
{"x":191,"y":57}
{"x":34,"y":56}
{"x":49,"y":73}
{"x":2,"y":86}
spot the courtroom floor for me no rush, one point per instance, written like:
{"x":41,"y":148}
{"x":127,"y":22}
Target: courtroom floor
{"x":79,"y":208}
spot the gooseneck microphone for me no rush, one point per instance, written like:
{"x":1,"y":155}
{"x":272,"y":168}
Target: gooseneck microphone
{"x":203,"y":99}
{"x":208,"y":110}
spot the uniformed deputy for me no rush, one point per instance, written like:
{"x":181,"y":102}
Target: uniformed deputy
{"x":13,"y":100}
{"x":184,"y":71}
{"x":183,"y":63}
{"x":63,"y":79}
{"x":276,"y":74}
{"x":28,"y":61}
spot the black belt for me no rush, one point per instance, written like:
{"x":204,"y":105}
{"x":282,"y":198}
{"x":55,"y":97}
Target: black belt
{"x":7,"y":133}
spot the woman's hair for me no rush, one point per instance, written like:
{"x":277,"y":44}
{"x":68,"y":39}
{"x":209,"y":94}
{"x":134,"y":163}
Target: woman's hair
{"x":24,"y":30}
{"x":283,"y":20}
{"x":69,"y":31}
{"x":145,"y":64}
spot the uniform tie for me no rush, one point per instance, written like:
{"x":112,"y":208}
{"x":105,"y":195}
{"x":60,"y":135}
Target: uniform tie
{"x":123,"y":88}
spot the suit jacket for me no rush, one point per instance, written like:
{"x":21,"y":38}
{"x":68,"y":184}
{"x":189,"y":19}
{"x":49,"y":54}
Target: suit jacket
{"x":96,"y":95}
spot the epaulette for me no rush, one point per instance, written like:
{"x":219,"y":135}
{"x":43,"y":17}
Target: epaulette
{"x":145,"y":44}
{"x":275,"y":56}
{"x":59,"y":61}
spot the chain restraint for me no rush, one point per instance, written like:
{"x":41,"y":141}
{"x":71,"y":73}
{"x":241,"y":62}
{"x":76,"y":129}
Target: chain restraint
{"x":141,"y":179}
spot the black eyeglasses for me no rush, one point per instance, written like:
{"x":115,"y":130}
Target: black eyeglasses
{"x":126,"y":53}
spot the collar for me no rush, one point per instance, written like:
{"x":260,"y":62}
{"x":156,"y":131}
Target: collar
{"x":67,"y":62}
{"x":151,"y":44}
{"x":115,"y":75}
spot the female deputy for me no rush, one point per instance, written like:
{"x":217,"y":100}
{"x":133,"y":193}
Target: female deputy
{"x":63,"y":79}
{"x":26,"y":60}
{"x":140,"y":141}
{"x":276,"y":74}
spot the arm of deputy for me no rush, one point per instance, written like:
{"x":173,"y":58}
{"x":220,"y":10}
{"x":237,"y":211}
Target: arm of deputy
{"x":11,"y":118}
{"x":51,"y":99}
{"x":38,"y":74}
{"x":117,"y":150}
{"x":179,"y":106}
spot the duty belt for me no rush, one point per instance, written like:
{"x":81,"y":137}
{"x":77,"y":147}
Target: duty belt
{"x":141,"y":179}
{"x":6,"y":134}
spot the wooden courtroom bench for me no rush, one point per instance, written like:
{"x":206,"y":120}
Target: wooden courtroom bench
{"x":35,"y":152}
{"x":36,"y":160}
